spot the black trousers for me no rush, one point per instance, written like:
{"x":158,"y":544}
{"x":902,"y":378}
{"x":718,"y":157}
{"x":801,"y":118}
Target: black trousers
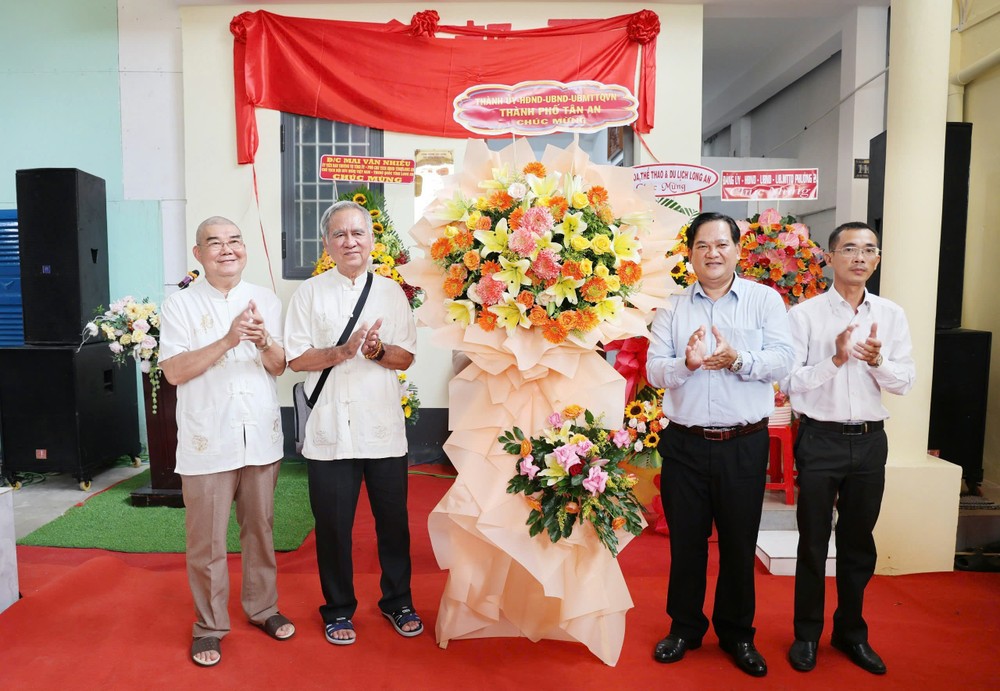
{"x":704,"y":481}
{"x":334,"y":487}
{"x":848,"y":470}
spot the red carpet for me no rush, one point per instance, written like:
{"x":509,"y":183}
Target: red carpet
{"x":102,"y":620}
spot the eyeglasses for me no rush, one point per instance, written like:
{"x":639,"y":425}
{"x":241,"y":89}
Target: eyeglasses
{"x":852,"y":252}
{"x":217,"y":245}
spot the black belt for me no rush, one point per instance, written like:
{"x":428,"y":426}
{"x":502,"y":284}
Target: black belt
{"x":721,"y":433}
{"x":851,"y":429}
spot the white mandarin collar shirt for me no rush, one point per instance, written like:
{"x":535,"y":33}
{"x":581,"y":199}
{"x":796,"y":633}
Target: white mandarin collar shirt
{"x":851,"y":393}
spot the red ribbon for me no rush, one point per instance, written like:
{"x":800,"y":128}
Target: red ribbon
{"x":424,"y":23}
{"x":630,"y":363}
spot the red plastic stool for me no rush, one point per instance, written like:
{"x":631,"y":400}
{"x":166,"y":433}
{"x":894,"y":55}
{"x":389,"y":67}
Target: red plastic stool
{"x":780,"y":469}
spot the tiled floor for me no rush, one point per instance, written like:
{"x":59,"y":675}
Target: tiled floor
{"x":37,"y":503}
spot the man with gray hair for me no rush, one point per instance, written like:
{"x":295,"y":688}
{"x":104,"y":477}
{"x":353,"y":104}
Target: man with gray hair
{"x":220,"y":344}
{"x":357,"y":428}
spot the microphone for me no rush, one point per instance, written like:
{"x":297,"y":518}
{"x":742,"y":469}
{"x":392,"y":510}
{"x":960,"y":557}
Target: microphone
{"x":186,"y":281}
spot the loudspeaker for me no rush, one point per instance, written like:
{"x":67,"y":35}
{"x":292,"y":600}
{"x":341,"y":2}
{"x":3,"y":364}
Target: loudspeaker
{"x":63,"y":242}
{"x":64,"y":410}
{"x":959,"y":390}
{"x":954,"y":216}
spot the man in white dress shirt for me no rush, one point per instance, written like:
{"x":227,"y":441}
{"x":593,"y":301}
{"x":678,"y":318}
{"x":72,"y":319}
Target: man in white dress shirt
{"x":850,"y":345}
{"x":357,"y":428}
{"x":220,"y":344}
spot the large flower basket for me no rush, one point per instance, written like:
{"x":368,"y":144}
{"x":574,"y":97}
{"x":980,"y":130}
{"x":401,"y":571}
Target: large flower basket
{"x":533,"y":344}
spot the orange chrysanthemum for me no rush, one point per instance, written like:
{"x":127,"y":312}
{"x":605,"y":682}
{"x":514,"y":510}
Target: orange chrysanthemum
{"x":487,"y":320}
{"x":586,"y":320}
{"x":535,"y":168}
{"x":441,"y":248}
{"x":557,"y":207}
{"x":526,"y":299}
{"x":514,"y":220}
{"x":489,"y":268}
{"x":797,"y":290}
{"x":605,"y":214}
{"x":463,"y":240}
{"x":571,"y":269}
{"x":594,"y":290}
{"x":453,"y":287}
{"x":777,"y":274}
{"x":629,"y":273}
{"x":499,"y":200}
{"x":484,"y":223}
{"x":597,"y":195}
{"x":458,"y":271}
{"x":553,"y":333}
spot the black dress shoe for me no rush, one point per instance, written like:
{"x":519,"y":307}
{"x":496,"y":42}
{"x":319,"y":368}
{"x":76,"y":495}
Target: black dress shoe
{"x":672,"y":648}
{"x":747,"y":658}
{"x":862,"y":655}
{"x":802,"y":655}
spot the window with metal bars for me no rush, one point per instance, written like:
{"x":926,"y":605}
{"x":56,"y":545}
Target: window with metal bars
{"x":304,"y":195}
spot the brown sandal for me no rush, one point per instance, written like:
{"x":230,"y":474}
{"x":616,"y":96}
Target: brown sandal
{"x":204,"y":645}
{"x":273,"y":623}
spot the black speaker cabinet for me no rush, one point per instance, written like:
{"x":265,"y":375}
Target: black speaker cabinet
{"x":63,"y":242}
{"x":66,"y":411}
{"x":959,"y":390}
{"x":954,"y":216}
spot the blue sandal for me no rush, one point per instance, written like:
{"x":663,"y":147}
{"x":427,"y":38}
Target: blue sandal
{"x":404,"y":615}
{"x":340,"y":624}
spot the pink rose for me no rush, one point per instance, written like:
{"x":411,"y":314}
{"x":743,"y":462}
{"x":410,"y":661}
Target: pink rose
{"x":567,"y":457}
{"x":527,"y":467}
{"x":555,"y":420}
{"x":621,"y":438}
{"x":596,"y":481}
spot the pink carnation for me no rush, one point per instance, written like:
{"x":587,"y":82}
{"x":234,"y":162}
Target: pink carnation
{"x":546,"y":265}
{"x":537,"y":220}
{"x":490,"y":290}
{"x":522,"y":242}
{"x":596,"y":481}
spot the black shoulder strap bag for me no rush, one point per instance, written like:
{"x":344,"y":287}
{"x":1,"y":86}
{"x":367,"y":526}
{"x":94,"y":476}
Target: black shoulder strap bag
{"x":358,"y":308}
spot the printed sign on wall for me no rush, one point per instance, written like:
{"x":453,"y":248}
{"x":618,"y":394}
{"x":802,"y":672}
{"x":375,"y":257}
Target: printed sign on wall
{"x":674,"y":179}
{"x":543,"y":107}
{"x":775,"y":184}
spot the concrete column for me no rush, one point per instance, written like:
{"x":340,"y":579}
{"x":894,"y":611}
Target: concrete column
{"x":862,"y":56}
{"x":918,"y":523}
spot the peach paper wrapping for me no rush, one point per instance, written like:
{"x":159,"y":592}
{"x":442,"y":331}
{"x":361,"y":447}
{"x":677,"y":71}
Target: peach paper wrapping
{"x":501,"y":582}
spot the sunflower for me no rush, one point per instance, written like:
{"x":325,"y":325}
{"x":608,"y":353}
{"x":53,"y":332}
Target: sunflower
{"x":360,"y":199}
{"x":378,"y":228}
{"x":633,"y":409}
{"x":651,"y":440}
{"x":375,"y":213}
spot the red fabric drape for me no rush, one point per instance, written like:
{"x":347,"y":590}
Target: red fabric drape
{"x":402,"y":78}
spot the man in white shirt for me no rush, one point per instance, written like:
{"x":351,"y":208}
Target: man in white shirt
{"x":850,"y":345}
{"x":220,"y":344}
{"x":357,"y":428}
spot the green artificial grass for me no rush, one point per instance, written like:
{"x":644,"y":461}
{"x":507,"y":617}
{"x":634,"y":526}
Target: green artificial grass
{"x":109,"y":521}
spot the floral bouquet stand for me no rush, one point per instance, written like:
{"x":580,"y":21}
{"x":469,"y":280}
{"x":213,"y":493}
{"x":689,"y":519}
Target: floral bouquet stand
{"x":528,"y":267}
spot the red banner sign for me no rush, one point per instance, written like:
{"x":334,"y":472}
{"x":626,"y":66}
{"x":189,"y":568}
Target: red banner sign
{"x":674,"y":179}
{"x":544,"y":107}
{"x":776,"y":184}
{"x":366,"y":169}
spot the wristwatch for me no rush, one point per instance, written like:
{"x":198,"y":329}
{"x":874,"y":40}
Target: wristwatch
{"x":267,"y":344}
{"x":737,"y":365}
{"x":878,"y":361}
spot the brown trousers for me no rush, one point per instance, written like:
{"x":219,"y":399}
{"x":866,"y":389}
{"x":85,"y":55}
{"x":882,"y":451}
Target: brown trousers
{"x":207,"y":501}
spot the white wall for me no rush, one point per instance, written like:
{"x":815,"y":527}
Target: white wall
{"x":215,"y":184}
